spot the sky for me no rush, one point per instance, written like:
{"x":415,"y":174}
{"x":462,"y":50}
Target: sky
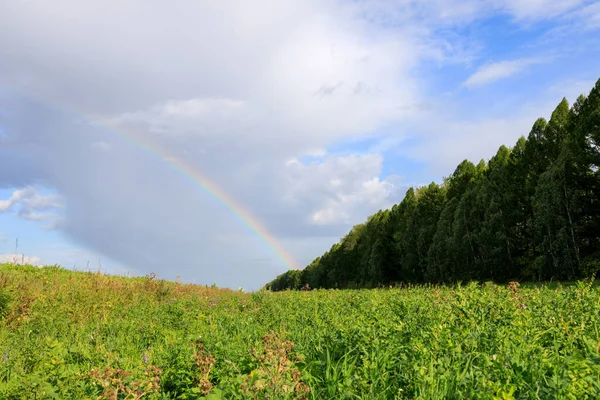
{"x":225,"y":142}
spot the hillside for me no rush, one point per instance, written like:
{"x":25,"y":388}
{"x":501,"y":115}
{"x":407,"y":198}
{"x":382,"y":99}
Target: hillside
{"x":531,"y":212}
{"x":73,"y":335}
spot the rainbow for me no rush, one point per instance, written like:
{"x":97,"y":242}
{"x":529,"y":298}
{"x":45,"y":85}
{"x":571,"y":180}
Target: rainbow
{"x":209,"y":187}
{"x":203,"y":182}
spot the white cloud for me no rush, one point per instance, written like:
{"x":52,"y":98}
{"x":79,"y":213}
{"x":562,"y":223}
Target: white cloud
{"x":328,"y":216}
{"x":27,"y":203}
{"x":317,"y":153}
{"x":539,"y":9}
{"x":458,"y":12}
{"x":570,"y":89}
{"x":20,"y":259}
{"x":196,"y":117}
{"x":443,"y":142}
{"x":590,"y":15}
{"x":455,"y":140}
{"x":30,"y":199}
{"x":339,"y":188}
{"x":492,"y":72}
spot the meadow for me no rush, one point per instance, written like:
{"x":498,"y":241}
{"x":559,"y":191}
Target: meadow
{"x":84,"y":335}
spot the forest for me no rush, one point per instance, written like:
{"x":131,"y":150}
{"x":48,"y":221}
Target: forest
{"x":531,"y":212}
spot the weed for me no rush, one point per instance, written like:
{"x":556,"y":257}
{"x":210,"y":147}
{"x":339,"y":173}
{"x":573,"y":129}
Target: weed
{"x":87,"y":335}
{"x":276,"y":375}
{"x":204,"y":363}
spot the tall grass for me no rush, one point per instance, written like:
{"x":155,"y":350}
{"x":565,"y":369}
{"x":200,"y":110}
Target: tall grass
{"x":86,"y":335}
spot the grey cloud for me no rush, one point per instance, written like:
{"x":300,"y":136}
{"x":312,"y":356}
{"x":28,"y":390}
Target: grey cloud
{"x":328,"y":90}
{"x":358,"y":88}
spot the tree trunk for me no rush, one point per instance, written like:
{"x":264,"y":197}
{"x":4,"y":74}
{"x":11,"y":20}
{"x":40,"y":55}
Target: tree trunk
{"x":575,"y":247}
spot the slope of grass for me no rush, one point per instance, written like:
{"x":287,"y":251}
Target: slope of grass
{"x":84,"y":335}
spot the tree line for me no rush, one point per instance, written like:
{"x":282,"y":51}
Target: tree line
{"x":532,"y":212}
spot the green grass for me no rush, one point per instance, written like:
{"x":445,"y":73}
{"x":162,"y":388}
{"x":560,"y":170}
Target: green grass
{"x":74,"y":335}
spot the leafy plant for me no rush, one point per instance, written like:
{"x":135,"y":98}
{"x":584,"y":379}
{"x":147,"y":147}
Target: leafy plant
{"x":87,"y":335}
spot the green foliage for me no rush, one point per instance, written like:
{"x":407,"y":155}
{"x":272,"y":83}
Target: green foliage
{"x":532,"y":212}
{"x":90,"y":336}
{"x":590,"y":266}
{"x":4,"y":303}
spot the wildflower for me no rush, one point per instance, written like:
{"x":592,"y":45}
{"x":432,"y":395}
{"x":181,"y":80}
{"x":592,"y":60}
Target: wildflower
{"x":201,"y":316}
{"x":145,"y":358}
{"x":494,"y":357}
{"x":5,"y":357}
{"x":523,"y":306}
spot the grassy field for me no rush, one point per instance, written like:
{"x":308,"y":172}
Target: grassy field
{"x":75,"y":335}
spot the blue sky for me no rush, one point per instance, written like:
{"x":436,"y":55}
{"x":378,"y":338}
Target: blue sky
{"x":312,"y":115}
{"x":19,"y":227}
